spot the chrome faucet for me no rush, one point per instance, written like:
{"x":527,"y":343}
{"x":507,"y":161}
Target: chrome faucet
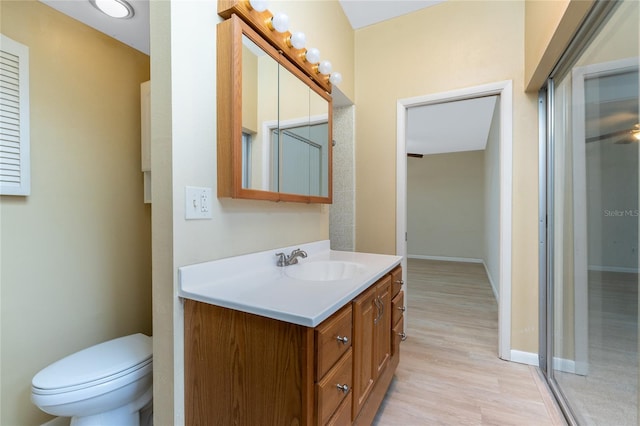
{"x":292,"y":259}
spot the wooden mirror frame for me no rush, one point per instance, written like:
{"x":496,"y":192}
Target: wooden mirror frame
{"x":229,"y":114}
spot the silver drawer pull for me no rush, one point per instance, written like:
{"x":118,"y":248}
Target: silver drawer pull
{"x":344,"y":339}
{"x":400,"y":282}
{"x":402,"y":308}
{"x":403,"y":336}
{"x":343,"y":388}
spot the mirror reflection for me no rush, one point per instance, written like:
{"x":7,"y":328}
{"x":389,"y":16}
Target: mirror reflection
{"x":285,"y":129}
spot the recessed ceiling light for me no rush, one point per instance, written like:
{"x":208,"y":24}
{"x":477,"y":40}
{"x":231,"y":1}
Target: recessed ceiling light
{"x":114,"y":8}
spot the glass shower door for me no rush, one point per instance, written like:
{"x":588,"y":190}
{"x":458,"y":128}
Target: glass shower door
{"x":593,"y":315}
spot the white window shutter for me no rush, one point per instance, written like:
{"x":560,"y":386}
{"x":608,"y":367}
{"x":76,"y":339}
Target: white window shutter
{"x":15,"y":174}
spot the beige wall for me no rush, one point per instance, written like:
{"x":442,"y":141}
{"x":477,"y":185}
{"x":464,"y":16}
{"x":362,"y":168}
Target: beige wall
{"x":549,"y":28}
{"x":327,"y":29}
{"x":76,"y":253}
{"x":445,"y":205}
{"x":183,"y":47}
{"x":453,"y":45}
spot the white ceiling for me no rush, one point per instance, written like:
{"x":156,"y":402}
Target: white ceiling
{"x":362,"y":13}
{"x":450,"y":126}
{"x":135,"y":31}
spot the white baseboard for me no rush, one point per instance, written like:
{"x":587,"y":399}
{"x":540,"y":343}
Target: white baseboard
{"x":564,"y":365}
{"x":493,"y":284}
{"x":529,"y":358}
{"x":445,"y":258}
{"x":601,"y":268}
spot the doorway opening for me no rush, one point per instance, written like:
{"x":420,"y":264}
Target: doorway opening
{"x":503,"y":91}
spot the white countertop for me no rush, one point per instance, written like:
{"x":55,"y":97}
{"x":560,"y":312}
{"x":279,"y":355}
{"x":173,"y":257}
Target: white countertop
{"x":253,"y":283}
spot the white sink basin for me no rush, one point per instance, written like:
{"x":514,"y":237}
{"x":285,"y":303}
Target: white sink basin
{"x":324,"y":270}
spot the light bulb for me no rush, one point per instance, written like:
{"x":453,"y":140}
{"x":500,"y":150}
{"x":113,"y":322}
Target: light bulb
{"x":298,"y":40}
{"x":259,"y":5}
{"x":324,"y":67}
{"x":280,"y":22}
{"x":336,"y":78}
{"x":312,"y":55}
{"x":114,"y":8}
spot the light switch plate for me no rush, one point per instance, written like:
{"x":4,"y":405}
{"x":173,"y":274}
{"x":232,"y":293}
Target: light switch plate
{"x":197,"y":203}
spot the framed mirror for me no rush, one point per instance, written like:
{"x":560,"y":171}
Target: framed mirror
{"x":274,"y":123}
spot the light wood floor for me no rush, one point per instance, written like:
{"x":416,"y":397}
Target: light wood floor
{"x":449,"y":372}
{"x":608,"y":393}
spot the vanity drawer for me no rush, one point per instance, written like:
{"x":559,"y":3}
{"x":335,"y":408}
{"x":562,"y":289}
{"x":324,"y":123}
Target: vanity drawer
{"x":396,"y":280}
{"x":342,"y":415}
{"x":333,"y":339}
{"x":397,"y":308}
{"x":328,"y":393}
{"x":397,"y":336}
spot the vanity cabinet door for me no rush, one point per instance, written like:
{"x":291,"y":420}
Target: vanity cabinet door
{"x":382,"y":340}
{"x":365,"y":312}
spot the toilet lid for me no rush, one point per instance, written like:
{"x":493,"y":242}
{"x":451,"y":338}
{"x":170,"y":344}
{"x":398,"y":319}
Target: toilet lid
{"x":96,"y":362}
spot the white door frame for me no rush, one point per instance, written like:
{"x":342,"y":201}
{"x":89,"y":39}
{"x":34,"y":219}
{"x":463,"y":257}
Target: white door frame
{"x":505,"y":91}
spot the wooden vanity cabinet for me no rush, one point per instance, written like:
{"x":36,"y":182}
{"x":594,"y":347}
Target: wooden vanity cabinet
{"x":245,"y":369}
{"x":372,"y":340}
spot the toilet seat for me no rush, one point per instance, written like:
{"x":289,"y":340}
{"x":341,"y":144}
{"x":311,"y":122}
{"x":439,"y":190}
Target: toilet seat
{"x":93,"y":371}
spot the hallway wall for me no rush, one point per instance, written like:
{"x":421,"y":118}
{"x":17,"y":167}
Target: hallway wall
{"x":445,"y":205}
{"x":492,"y":202}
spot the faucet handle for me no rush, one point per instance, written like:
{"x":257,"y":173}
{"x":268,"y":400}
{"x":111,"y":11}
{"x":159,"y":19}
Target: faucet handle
{"x":298,"y":252}
{"x":282,"y":259}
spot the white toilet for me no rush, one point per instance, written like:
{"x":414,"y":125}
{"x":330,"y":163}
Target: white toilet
{"x":106,"y":384}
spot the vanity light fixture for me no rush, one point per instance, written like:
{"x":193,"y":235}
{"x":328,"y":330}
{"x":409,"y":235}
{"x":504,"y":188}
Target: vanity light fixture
{"x":274,"y":28}
{"x":279,"y":22}
{"x":324,"y":67}
{"x":312,"y":55}
{"x":259,"y":5}
{"x":636,"y":132}
{"x":115,"y":8}
{"x":297,"y":40}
